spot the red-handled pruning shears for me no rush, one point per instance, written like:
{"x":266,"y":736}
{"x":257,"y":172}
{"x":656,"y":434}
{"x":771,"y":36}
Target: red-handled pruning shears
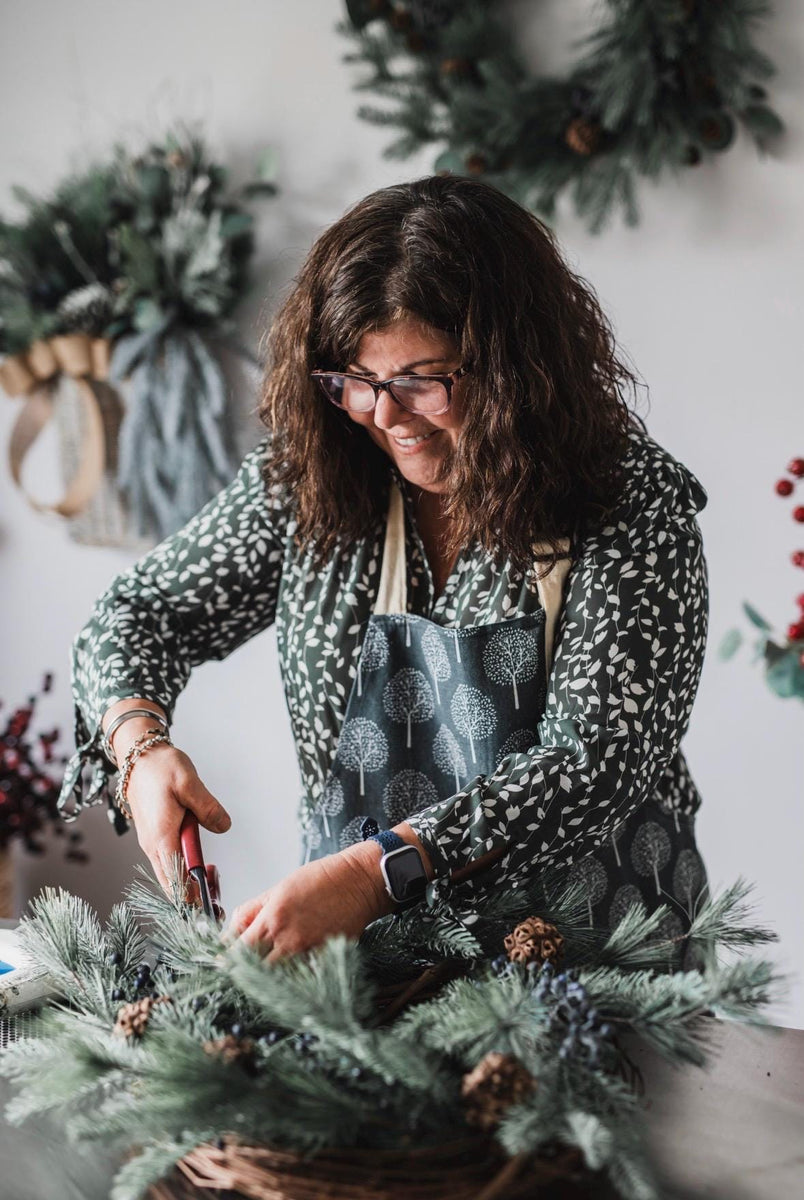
{"x":206,"y":877}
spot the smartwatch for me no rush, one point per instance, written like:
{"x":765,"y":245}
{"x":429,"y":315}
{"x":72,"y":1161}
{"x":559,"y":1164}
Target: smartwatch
{"x":402,"y":868}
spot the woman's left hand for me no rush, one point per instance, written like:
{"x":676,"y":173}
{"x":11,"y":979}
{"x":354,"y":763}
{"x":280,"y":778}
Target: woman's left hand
{"x":341,"y":893}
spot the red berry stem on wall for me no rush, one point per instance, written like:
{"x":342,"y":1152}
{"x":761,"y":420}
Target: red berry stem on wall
{"x":786,"y":487}
{"x":28,"y":792}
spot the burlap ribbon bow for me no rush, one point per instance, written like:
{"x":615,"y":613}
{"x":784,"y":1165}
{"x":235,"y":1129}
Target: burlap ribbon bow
{"x":34,"y":375}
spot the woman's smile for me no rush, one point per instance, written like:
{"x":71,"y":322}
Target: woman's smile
{"x":412,"y":445}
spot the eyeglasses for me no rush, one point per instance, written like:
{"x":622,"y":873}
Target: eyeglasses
{"x":425,"y":394}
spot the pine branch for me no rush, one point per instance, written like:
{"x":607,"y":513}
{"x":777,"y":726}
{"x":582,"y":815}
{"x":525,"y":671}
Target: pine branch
{"x":726,"y":920}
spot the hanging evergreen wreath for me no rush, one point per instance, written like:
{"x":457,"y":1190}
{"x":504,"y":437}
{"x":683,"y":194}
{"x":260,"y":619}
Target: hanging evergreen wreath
{"x":131,"y":272}
{"x":660,"y":85}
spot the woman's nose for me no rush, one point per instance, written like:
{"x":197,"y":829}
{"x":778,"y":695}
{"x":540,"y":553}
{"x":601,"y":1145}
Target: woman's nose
{"x":387,"y":411}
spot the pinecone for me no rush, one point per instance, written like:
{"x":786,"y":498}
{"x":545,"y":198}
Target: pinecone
{"x":231,"y":1049}
{"x":496,"y":1083}
{"x":534,"y":940}
{"x":415,"y":41}
{"x":582,"y":136}
{"x":132,"y":1019}
{"x":86,"y":309}
{"x":476,"y":164}
{"x":455,"y":68}
{"x":400,"y":18}
{"x":716,"y":130}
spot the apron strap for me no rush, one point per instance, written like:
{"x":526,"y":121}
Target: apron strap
{"x":392,"y":595}
{"x":392,"y":591}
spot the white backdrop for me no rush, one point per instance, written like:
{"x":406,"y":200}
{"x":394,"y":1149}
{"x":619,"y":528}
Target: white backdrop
{"x":705,"y":296}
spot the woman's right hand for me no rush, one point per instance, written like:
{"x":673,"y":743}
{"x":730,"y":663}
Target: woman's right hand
{"x":163,"y":783}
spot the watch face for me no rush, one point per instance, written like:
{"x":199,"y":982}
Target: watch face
{"x":404,"y":873}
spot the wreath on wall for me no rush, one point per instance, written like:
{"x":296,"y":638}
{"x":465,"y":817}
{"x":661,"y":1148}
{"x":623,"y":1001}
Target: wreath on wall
{"x":129,"y":273}
{"x":660,"y":85}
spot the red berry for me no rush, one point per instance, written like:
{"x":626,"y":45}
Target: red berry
{"x":795,"y":632}
{"x":798,"y":513}
{"x":796,"y":467}
{"x":798,"y":558}
{"x":800,"y":600}
{"x":783,"y":487}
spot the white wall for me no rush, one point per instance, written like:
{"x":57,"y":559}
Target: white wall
{"x":704,"y":294}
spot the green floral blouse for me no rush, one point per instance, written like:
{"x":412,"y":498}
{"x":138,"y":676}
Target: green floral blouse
{"x":628,"y":653}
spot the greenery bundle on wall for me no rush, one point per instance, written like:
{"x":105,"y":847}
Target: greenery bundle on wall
{"x":132,"y":271}
{"x":194,"y":1051}
{"x":660,"y":85}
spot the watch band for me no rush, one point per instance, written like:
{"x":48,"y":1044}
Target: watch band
{"x":388,"y":840}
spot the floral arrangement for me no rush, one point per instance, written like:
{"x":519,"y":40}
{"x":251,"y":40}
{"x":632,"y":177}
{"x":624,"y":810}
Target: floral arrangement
{"x":782,"y":653}
{"x":499,"y":1032}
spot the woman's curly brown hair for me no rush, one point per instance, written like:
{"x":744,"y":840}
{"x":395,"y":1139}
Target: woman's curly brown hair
{"x":539,"y":452}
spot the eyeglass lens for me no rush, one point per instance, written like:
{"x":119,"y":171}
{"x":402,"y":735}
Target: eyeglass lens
{"x":417,"y":395}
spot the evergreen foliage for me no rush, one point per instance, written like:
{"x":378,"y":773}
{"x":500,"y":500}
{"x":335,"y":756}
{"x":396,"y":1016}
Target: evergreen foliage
{"x":51,"y":257}
{"x":659,"y":86}
{"x":312,"y":1062}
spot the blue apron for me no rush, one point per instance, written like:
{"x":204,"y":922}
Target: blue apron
{"x":433,"y":707}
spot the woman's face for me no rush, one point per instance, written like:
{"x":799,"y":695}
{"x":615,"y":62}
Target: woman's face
{"x":409,"y":348}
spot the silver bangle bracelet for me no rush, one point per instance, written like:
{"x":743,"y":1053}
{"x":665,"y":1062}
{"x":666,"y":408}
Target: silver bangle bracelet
{"x":106,"y":742}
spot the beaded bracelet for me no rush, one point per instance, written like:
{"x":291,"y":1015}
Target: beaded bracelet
{"x":137,"y":748}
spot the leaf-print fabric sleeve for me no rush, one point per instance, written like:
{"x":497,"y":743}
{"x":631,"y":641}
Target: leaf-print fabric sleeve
{"x":198,"y":595}
{"x":629,"y":651}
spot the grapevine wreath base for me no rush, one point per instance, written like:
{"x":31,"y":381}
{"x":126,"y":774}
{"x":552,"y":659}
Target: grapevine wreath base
{"x":464,"y":1169}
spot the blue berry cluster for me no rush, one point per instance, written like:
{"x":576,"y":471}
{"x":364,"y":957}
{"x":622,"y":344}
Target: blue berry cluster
{"x":571,"y":1013}
{"x":503,"y":968}
{"x":135,"y":988}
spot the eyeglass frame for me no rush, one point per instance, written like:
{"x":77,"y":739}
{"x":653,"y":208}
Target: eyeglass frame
{"x":447,"y":378}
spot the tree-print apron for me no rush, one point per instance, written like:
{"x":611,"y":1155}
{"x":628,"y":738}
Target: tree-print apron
{"x":432,"y":707}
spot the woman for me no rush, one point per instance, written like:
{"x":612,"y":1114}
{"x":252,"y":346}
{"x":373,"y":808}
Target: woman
{"x":487,"y":581}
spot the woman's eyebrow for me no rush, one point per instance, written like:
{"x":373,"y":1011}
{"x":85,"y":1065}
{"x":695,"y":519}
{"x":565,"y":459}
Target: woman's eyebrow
{"x":423,"y":362}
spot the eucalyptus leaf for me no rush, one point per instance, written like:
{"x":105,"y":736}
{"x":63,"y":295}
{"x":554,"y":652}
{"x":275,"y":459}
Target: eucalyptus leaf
{"x":148,"y":315}
{"x":762,"y":122}
{"x":755,"y":617}
{"x":730,"y":644}
{"x":259,"y":189}
{"x":267,"y":165}
{"x":782,"y":676}
{"x":236,"y":223}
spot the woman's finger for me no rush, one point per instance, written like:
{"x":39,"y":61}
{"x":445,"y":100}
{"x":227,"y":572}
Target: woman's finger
{"x":244,"y":915}
{"x":258,"y":935}
{"x":155,"y":859}
{"x":210,"y":812}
